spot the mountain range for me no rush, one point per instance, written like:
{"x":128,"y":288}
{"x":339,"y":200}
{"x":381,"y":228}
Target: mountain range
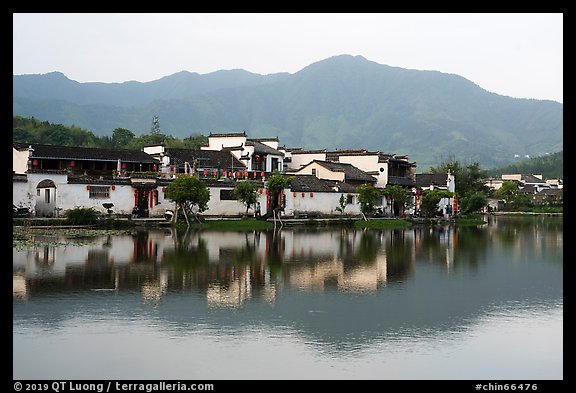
{"x":343,"y":102}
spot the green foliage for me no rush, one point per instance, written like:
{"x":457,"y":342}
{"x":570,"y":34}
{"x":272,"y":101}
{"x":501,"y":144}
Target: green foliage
{"x":246,"y":192}
{"x":81,"y":216}
{"x":30,"y":130}
{"x":549,"y":166}
{"x":474,"y":202}
{"x":367,"y":197}
{"x":469,"y":178}
{"x":399,"y":195}
{"x":190,"y":191}
{"x":342,"y":204}
{"x":507,"y":191}
{"x":275,"y":184}
{"x":430,"y":200}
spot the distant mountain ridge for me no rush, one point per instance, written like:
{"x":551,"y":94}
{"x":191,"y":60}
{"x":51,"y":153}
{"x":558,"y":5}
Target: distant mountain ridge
{"x":340,"y":102}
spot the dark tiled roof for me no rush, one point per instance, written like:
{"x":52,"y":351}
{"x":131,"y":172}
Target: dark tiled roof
{"x":261,"y":148}
{"x":90,"y":153}
{"x":335,"y":155}
{"x":532,"y":179}
{"x":351,"y":173}
{"x":549,"y":191}
{"x":227,"y":134}
{"x":427,"y":179}
{"x":310,"y":183}
{"x":206,"y":158}
{"x":401,"y":181}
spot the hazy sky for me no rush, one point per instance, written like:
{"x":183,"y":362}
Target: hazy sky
{"x":517,"y":55}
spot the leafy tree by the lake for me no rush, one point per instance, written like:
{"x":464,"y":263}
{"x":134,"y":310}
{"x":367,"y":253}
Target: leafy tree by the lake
{"x":399,"y":195}
{"x":190,"y":194}
{"x":247,"y":193}
{"x":431,"y":199}
{"x":275,"y":184}
{"x":368,"y":196}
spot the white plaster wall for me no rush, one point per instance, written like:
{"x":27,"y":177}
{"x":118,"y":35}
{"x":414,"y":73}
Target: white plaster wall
{"x":23,"y":194}
{"x":216,"y":143}
{"x":368,"y":163}
{"x":322,"y":172}
{"x":322,"y":202}
{"x":301,"y":159}
{"x":19,"y":160}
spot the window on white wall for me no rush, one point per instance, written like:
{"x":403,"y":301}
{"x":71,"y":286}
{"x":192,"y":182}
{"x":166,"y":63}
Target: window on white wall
{"x":99,"y":192}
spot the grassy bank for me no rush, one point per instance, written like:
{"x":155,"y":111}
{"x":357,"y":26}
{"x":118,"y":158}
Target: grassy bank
{"x":388,"y":223}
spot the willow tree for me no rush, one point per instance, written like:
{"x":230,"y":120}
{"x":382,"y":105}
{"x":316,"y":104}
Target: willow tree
{"x":190,"y":195}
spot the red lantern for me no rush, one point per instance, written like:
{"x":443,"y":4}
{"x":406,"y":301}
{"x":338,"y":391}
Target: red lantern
{"x":163,"y":189}
{"x":205,"y":172}
{"x":113,"y":187}
{"x":72,"y":164}
{"x":123,"y":165}
{"x":257,"y":157}
{"x":88,"y":188}
{"x":311,"y":195}
{"x":303,"y":194}
{"x":260,"y":191}
{"x":215,"y":174}
{"x":294,"y":194}
{"x":254,"y":173}
{"x":262,"y":174}
{"x":35,"y":162}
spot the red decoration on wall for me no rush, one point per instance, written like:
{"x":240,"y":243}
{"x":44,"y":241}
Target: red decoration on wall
{"x":88,"y":188}
{"x":294,"y":194}
{"x":311,"y":195}
{"x":113,"y":187}
{"x":303,"y":194}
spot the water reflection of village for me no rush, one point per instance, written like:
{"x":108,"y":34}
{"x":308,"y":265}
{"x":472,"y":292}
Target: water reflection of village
{"x":230,"y":268}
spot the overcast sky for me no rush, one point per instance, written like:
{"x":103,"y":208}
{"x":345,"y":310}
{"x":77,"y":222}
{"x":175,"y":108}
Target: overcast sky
{"x":517,"y":55}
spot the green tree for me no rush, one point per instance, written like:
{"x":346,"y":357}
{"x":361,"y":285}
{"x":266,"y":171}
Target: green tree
{"x":247,"y":193}
{"x":188,"y":192}
{"x":367,"y":197}
{"x":341,"y":204}
{"x":430,"y":200}
{"x":473,"y":202}
{"x":507,"y":191}
{"x":121,"y":137}
{"x":276,"y":184}
{"x":399,"y":195}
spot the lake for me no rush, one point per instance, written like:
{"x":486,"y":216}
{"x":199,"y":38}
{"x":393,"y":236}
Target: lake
{"x":424,"y":303}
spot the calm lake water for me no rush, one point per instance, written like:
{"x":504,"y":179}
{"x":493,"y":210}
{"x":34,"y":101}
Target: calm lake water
{"x":332,"y":303}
